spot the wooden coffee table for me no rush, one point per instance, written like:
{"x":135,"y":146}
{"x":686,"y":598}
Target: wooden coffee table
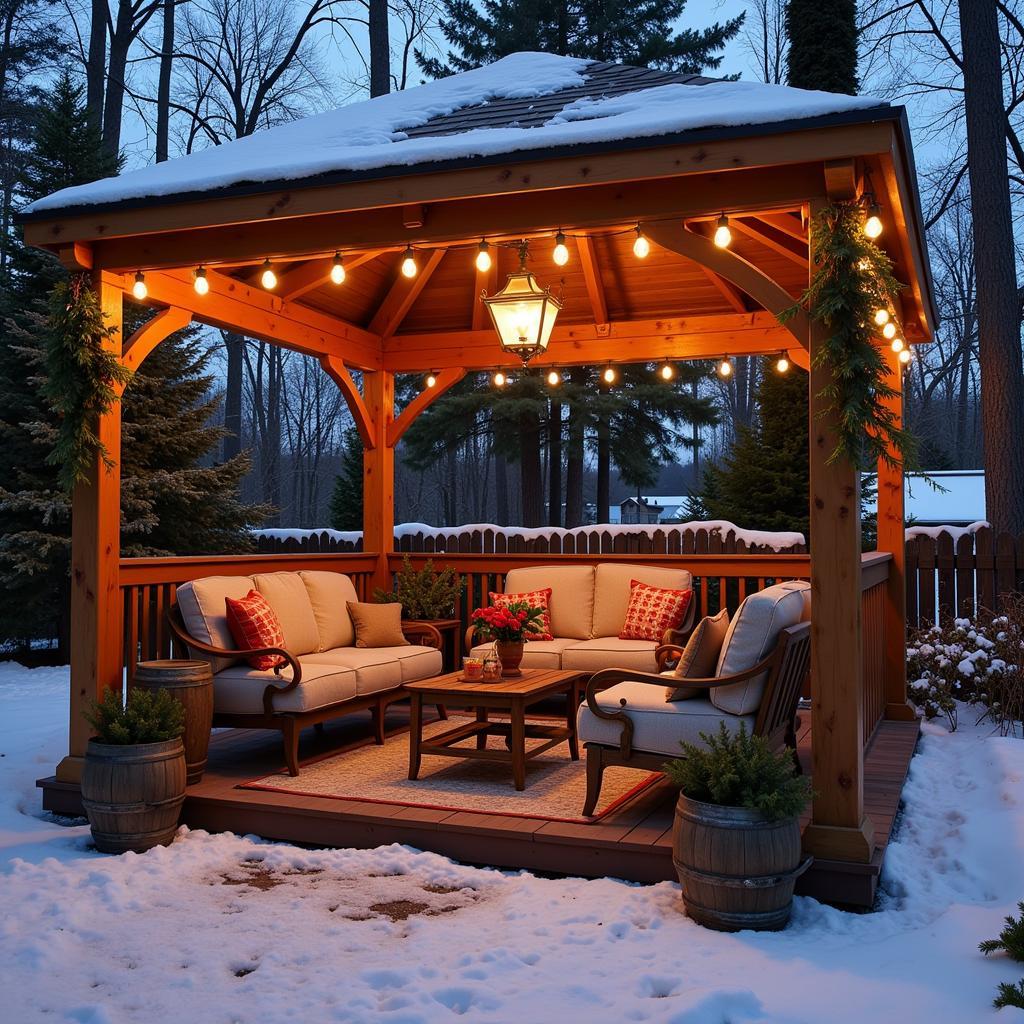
{"x":513,"y":695}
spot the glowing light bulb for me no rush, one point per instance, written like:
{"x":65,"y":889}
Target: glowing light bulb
{"x":268,"y":278}
{"x":667,"y":371}
{"x":641,"y":247}
{"x":499,"y":380}
{"x":139,"y":289}
{"x":554,"y":378}
{"x":338,"y":269}
{"x":201,"y":284}
{"x":889,"y":331}
{"x":897,"y":345}
{"x":609,"y":376}
{"x":881,"y":316}
{"x":483,"y":257}
{"x":725,"y":368}
{"x":560,"y":254}
{"x":723,"y":236}
{"x":782,"y":365}
{"x":431,"y":380}
{"x":409,"y":267}
{"x":873,"y":226}
{"x":904,"y":356}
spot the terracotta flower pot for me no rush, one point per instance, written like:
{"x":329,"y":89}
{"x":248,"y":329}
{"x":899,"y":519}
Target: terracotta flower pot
{"x":510,"y":654}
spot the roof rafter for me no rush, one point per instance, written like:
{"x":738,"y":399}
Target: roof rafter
{"x":764,"y":238}
{"x":404,"y":292}
{"x":592,"y":279}
{"x":312,"y":274}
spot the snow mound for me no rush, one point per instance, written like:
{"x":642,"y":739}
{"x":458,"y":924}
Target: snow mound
{"x":956,"y":532}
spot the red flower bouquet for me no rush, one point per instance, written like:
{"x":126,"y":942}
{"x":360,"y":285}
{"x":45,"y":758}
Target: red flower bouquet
{"x":509,"y":624}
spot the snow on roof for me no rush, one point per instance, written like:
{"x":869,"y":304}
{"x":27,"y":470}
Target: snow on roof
{"x":413,"y":127}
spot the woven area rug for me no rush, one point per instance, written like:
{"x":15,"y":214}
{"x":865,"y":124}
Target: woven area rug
{"x":555,"y":785}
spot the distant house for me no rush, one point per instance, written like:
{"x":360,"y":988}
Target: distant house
{"x":646,"y":509}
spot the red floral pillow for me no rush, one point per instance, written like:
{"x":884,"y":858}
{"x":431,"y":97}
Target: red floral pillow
{"x":652,"y":610}
{"x":535,"y":599}
{"x":254,"y":624}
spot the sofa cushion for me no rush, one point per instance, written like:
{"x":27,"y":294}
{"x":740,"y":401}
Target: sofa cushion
{"x":658,"y":727}
{"x":377,"y":625}
{"x":204,"y":614}
{"x":382,"y":668}
{"x":652,"y":611}
{"x":611,"y":652}
{"x":287,"y":595}
{"x":537,"y":653}
{"x":700,"y":655}
{"x":253,"y":625}
{"x":239,"y":690}
{"x":329,"y":593}
{"x":572,"y":595}
{"x":612,"y":588}
{"x":752,"y":635}
{"x":535,"y":599}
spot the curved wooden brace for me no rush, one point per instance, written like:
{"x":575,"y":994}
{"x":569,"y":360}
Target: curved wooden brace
{"x":800,"y":357}
{"x":150,"y":334}
{"x":422,"y":402}
{"x":758,"y":285}
{"x":338,"y":372}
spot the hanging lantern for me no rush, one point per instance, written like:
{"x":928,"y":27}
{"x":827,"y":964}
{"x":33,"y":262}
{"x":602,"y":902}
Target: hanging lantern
{"x":523,"y":313}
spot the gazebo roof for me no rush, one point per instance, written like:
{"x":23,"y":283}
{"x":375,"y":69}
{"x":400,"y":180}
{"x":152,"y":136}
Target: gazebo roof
{"x":531,"y":103}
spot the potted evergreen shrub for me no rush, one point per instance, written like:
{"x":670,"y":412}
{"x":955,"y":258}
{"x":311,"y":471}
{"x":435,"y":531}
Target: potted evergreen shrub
{"x":736,"y":836}
{"x":424,"y":594}
{"x":133,"y":782}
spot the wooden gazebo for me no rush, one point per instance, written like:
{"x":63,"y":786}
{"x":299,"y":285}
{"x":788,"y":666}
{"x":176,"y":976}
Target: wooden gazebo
{"x":527,"y":148}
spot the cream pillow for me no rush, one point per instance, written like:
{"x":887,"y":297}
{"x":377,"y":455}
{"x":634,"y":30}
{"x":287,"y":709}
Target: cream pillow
{"x":700,"y":656}
{"x":377,"y":625}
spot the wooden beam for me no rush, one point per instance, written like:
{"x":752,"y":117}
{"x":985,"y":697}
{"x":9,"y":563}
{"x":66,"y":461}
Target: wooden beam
{"x":379,"y":476}
{"x":404,"y":292}
{"x":97,"y":643}
{"x":592,"y":280}
{"x":426,"y":398}
{"x":235,"y":306}
{"x":75,"y":257}
{"x":315,"y":273}
{"x":413,"y":216}
{"x":839,"y":828}
{"x":698,"y":337}
{"x":364,"y":422}
{"x":515,"y":215}
{"x":751,"y":230}
{"x":758,"y":285}
{"x":151,"y":333}
{"x":799,"y":357}
{"x":841,"y":179}
{"x":784,"y":222}
{"x":731,"y":295}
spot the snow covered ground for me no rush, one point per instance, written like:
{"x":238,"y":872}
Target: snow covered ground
{"x":225,"y":929}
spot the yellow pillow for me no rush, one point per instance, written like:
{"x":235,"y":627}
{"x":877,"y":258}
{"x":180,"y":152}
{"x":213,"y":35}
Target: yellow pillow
{"x":700,"y":656}
{"x":377,"y":625}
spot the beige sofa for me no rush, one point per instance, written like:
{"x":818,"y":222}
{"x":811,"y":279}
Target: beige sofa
{"x":326,"y":675}
{"x":588,"y":608}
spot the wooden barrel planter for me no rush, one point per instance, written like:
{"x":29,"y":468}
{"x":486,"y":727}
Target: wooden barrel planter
{"x":132,"y":793}
{"x":736,"y":868}
{"x":191,"y":684}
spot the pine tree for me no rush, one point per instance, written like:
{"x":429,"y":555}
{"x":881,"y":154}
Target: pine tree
{"x":763,"y":482}
{"x":822,"y":45}
{"x":639,"y":33}
{"x":347,"y":497}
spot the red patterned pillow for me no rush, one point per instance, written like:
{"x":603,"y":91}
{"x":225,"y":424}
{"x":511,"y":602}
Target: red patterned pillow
{"x":652,"y":610}
{"x":535,"y":599}
{"x":254,"y":624}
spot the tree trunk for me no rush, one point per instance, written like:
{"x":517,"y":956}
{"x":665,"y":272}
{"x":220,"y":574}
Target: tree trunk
{"x":1002,"y":393}
{"x":113,"y":106}
{"x":603,"y":473}
{"x":232,"y":443}
{"x":555,"y":463}
{"x":574,"y":460}
{"x":529,"y":467}
{"x":380,"y":48}
{"x":96,"y":63}
{"x":163,"y":94}
{"x":501,"y":512}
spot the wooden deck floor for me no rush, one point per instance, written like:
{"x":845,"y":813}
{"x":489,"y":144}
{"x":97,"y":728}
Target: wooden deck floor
{"x":633,"y":843}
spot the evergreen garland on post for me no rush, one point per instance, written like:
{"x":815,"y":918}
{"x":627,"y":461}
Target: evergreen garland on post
{"x":81,"y":380}
{"x":852,"y":279}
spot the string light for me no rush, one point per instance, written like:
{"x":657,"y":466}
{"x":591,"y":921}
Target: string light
{"x":409,"y":267}
{"x":268,"y":278}
{"x":904,"y":356}
{"x":889,"y":331}
{"x":609,"y":376}
{"x":483,"y":257}
{"x":554,"y":378}
{"x":499,"y":380}
{"x":897,"y":345}
{"x":338,"y":269}
{"x":882,"y":316}
{"x":201,"y":284}
{"x":782,"y":365}
{"x":431,"y":380}
{"x":725,"y":367}
{"x":666,"y":371}
{"x":139,"y":289}
{"x":723,"y":236}
{"x":641,"y":247}
{"x":873,"y":226}
{"x":560,"y":254}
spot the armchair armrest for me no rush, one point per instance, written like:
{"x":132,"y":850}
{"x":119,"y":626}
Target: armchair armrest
{"x":423,"y":632}
{"x":668,"y":654}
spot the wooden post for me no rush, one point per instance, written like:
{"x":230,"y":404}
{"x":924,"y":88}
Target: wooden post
{"x":892,"y":538}
{"x":379,"y":474}
{"x":839,"y":829}
{"x":96,"y":636}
